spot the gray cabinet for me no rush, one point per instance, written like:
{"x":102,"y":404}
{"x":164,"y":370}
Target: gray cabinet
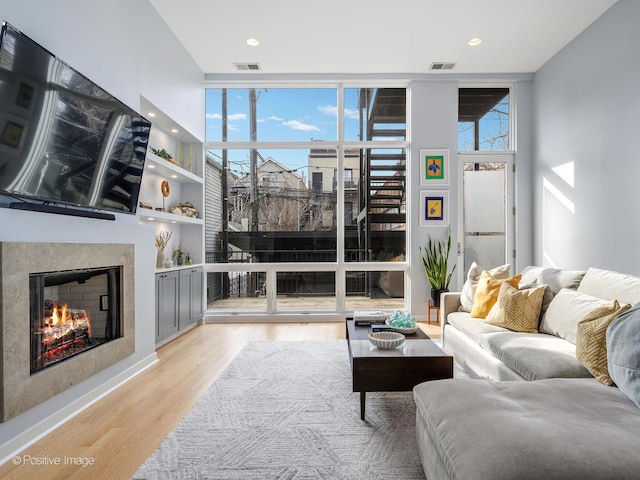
{"x":191,"y":296}
{"x":166,"y":304}
{"x":179,"y":301}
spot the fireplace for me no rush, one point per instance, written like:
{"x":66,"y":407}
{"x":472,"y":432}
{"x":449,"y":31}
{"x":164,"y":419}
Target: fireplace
{"x":67,"y":313}
{"x":72,"y":311}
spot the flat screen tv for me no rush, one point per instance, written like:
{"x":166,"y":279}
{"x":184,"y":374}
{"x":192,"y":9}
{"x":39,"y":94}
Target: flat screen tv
{"x":64,"y":141}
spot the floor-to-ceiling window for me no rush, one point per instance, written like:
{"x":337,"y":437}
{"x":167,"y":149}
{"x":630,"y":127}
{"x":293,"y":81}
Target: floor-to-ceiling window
{"x":309,"y":185}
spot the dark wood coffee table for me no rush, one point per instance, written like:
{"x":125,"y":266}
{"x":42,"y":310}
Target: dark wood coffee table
{"x":417,"y":360}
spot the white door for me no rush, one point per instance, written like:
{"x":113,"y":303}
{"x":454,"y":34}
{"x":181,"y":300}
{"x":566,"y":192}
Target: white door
{"x":487,"y":215}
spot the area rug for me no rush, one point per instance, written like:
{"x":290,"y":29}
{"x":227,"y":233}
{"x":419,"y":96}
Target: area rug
{"x":285,"y":410}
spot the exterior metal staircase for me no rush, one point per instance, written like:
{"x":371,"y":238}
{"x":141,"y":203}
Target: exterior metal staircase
{"x":382,"y":171}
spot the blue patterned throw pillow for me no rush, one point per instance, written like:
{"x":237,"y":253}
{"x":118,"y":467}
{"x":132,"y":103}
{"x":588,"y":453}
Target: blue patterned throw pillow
{"x":623,"y":353}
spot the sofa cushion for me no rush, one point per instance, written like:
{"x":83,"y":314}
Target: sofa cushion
{"x":591,"y":346}
{"x":569,"y":429}
{"x":608,"y":284}
{"x":517,"y":310}
{"x":473,"y":328}
{"x":566,"y":309}
{"x":469,"y":287}
{"x":487,"y":293}
{"x":532,"y":356}
{"x":535,"y":357}
{"x":556,"y":278}
{"x":623,"y":344}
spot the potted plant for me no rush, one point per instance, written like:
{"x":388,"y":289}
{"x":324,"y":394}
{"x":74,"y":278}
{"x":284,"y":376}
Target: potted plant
{"x":178,"y":253}
{"x":162,"y":153}
{"x":435,"y":260}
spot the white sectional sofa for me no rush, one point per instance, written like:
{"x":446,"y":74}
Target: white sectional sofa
{"x":495,"y":353}
{"x":532,"y":410}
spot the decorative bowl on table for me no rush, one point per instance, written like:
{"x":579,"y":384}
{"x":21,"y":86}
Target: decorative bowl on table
{"x":402,"y":322}
{"x":386,"y":340}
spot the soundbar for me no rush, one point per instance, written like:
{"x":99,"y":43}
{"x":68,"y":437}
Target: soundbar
{"x":74,"y":212}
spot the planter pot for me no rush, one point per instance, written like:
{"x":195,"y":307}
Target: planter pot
{"x":435,"y":296}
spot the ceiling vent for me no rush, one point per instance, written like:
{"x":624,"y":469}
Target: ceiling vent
{"x":442,"y":66}
{"x":247,"y":66}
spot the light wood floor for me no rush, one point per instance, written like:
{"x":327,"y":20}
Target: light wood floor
{"x":120,"y":431}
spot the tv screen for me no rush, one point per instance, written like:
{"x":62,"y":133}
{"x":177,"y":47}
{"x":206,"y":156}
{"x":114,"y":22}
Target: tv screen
{"x":63,"y":139}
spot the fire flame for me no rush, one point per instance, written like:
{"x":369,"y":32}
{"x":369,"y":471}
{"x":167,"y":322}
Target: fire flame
{"x":59,"y":317}
{"x":64,"y":320}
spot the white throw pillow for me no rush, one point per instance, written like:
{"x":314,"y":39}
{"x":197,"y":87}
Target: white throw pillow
{"x":566,"y":309}
{"x":470,"y":285}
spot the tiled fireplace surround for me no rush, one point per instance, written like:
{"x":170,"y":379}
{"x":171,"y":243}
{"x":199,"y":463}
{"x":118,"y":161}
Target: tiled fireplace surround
{"x":19,"y":390}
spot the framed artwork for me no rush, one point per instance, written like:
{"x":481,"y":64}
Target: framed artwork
{"x":434,"y":166}
{"x":24,"y":96}
{"x":434,"y":208}
{"x":13,"y":131}
{"x":104,"y":303}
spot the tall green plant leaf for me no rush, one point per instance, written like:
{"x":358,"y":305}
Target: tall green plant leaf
{"x":435,"y":261}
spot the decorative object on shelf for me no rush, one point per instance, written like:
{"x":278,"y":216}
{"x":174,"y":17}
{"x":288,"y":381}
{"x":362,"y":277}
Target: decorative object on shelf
{"x":190,"y":158}
{"x":179,"y":254}
{"x":162,"y":239}
{"x":386,"y":340}
{"x":168,"y":263}
{"x":186,"y":209}
{"x":166,"y":190}
{"x":146,"y":205}
{"x":187,"y":259}
{"x":162,"y":153}
{"x":435,"y":260}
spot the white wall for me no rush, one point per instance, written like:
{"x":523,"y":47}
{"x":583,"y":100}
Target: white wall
{"x":125,"y":47}
{"x":433,"y":117}
{"x":587,"y":102}
{"x":524,"y":167}
{"x":122,"y":45}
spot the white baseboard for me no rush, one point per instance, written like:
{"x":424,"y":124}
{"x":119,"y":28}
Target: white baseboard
{"x":36,"y":432}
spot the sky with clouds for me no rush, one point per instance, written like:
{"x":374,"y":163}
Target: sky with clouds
{"x":299,"y":114}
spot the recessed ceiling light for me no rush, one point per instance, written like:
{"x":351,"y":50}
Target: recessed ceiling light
{"x":253,"y":42}
{"x":151,"y":166}
{"x":174,"y":176}
{"x":474,"y":42}
{"x":174,"y":130}
{"x":151,"y":114}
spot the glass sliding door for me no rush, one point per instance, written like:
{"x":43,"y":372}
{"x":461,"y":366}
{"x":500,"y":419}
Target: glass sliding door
{"x":487,"y":210}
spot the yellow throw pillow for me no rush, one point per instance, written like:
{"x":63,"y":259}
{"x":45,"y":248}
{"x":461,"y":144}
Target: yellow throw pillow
{"x":517,"y":310}
{"x":487,"y":293}
{"x":591,"y":341}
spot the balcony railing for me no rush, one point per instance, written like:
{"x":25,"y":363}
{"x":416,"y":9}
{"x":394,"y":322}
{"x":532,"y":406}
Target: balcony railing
{"x":281,"y":256}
